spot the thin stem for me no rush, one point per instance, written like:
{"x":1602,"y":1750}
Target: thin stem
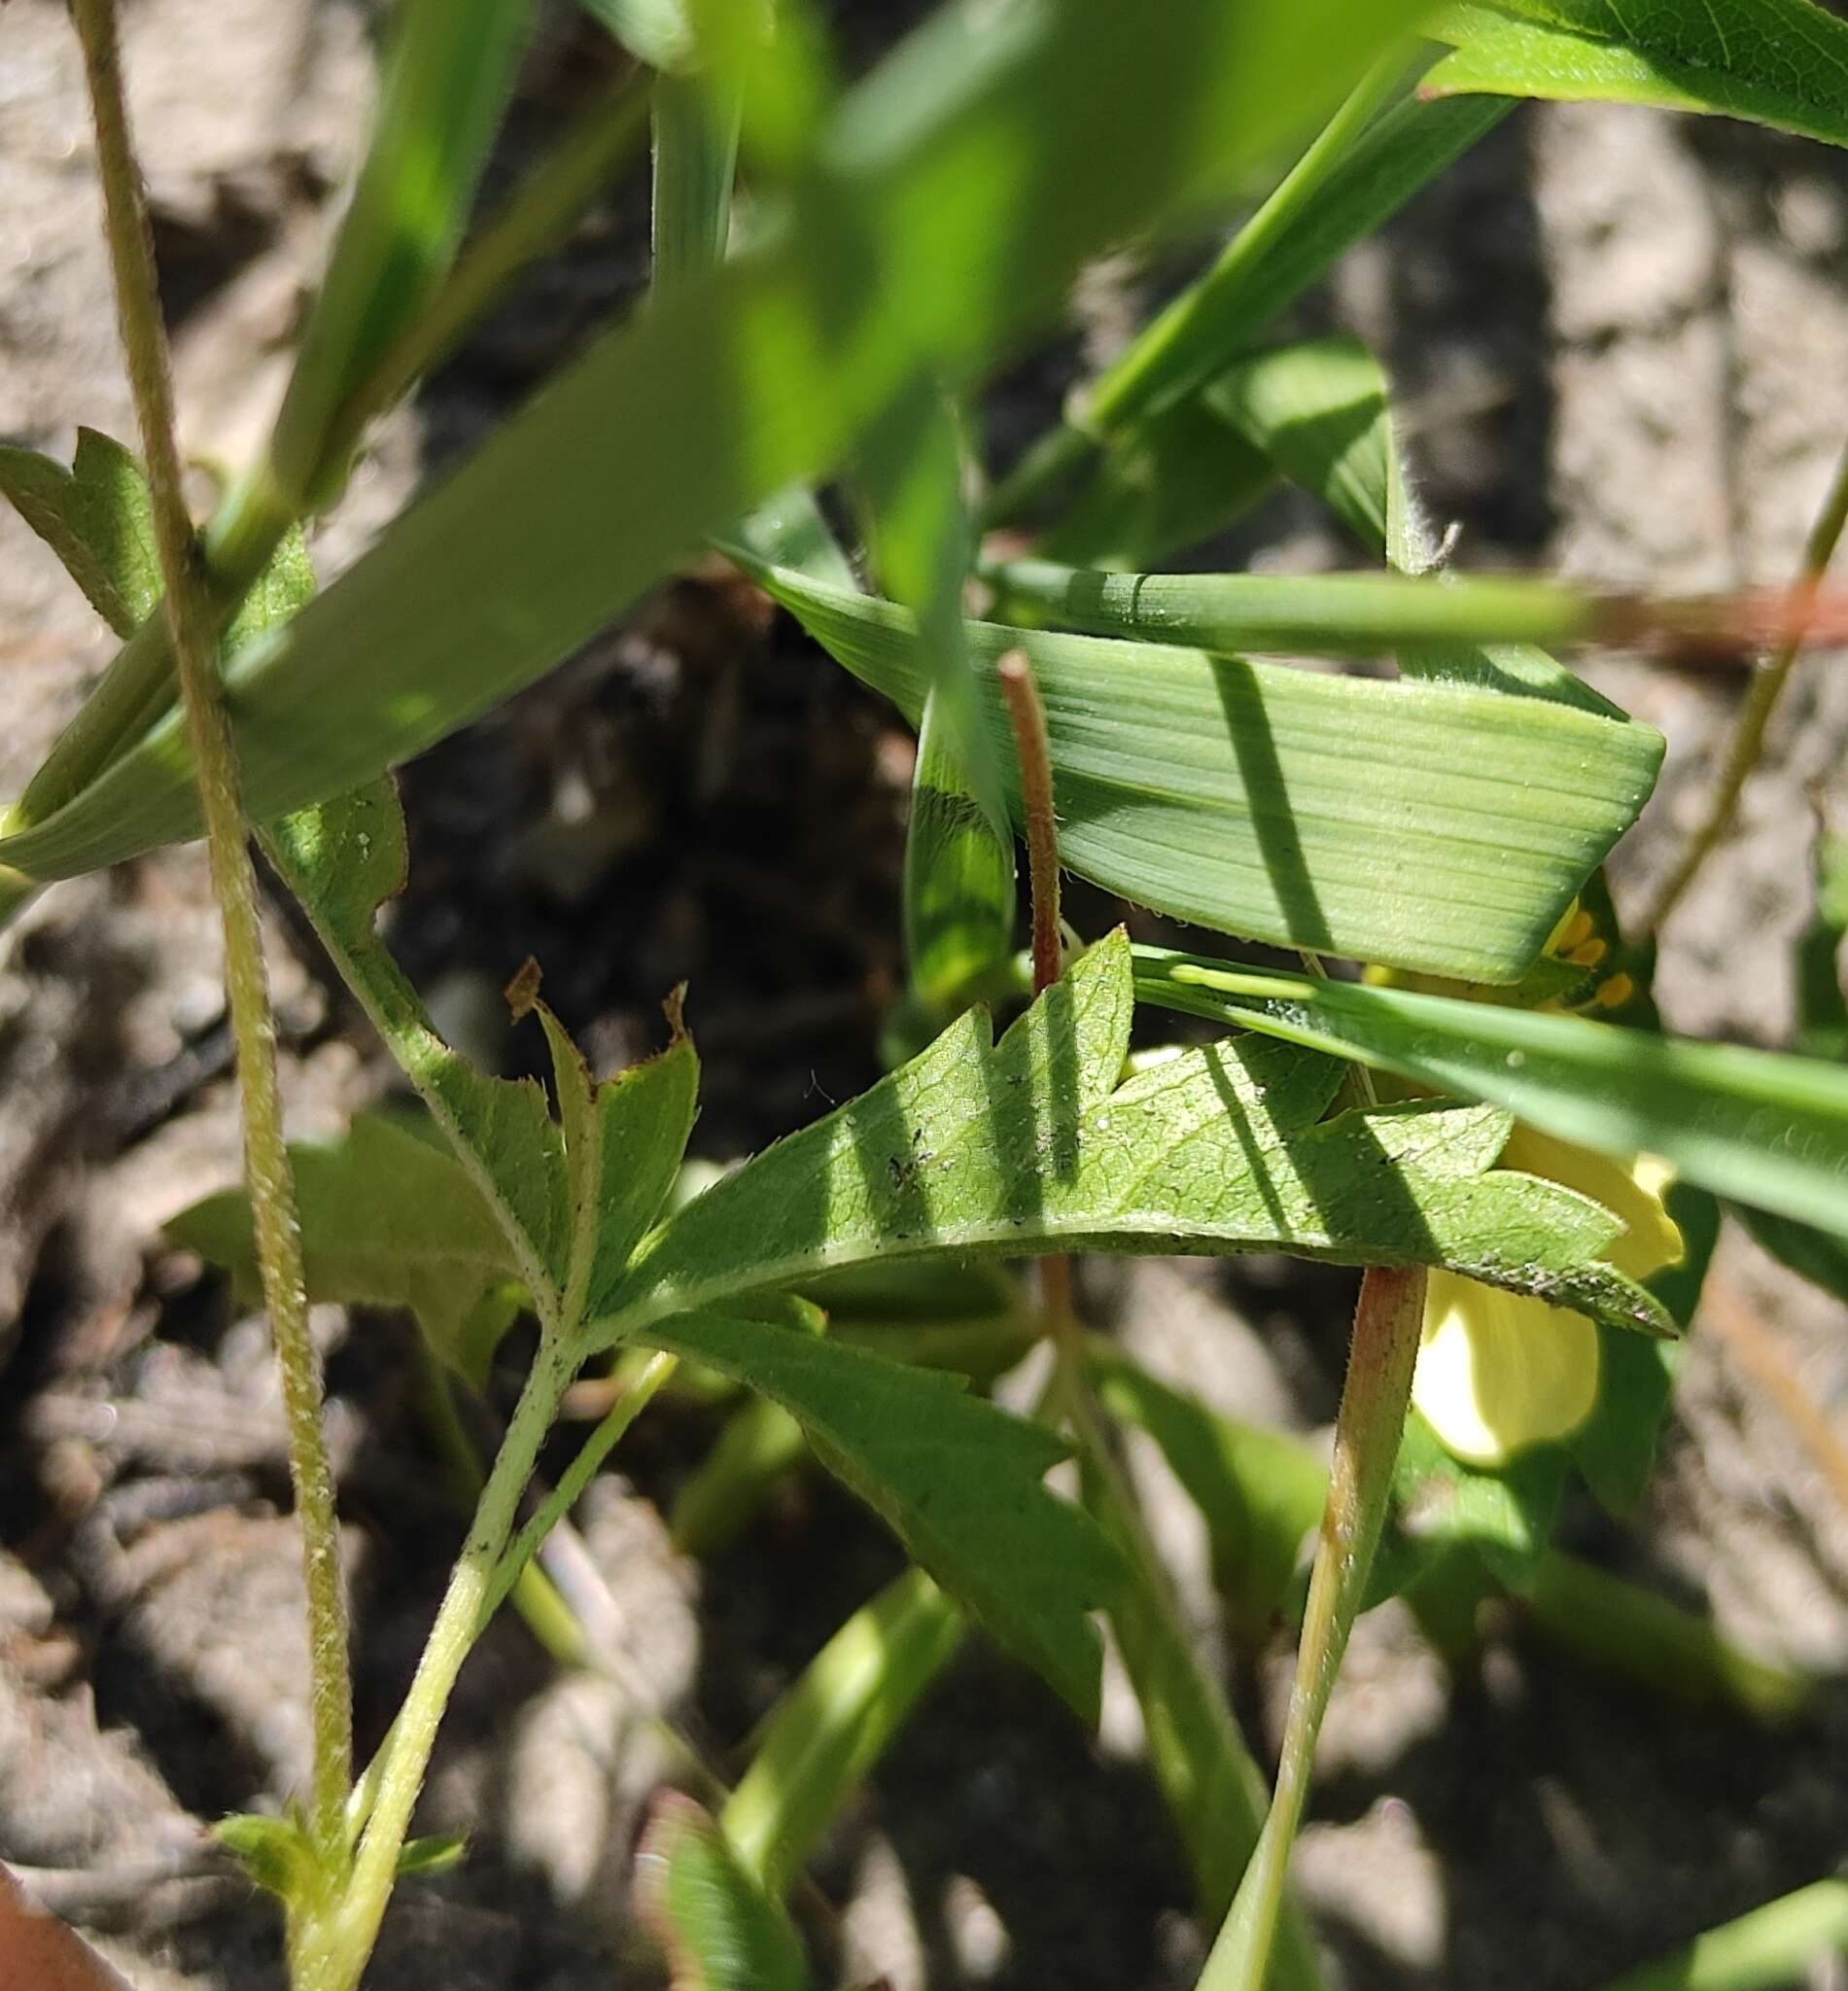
{"x":563,"y":1498}
{"x":1766,"y":688}
{"x":548,"y":1616}
{"x":1367,"y":1427}
{"x":194,"y":634}
{"x":1027,"y":718}
{"x":333,"y":1953}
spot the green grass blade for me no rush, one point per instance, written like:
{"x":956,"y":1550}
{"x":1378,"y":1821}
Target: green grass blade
{"x":695,"y":155}
{"x":1330,"y":614}
{"x":835,"y":1723}
{"x":764,"y":373}
{"x":1402,"y":152}
{"x":1349,"y":815}
{"x":446,"y":83}
{"x":1780,"y":1944}
{"x":1778,"y":62}
{"x":1764,"y":1128}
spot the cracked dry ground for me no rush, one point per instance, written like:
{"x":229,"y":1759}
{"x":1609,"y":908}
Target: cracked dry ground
{"x":1621,"y":341}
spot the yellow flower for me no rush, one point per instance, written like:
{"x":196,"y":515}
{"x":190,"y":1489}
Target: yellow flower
{"x":1498,"y":1371}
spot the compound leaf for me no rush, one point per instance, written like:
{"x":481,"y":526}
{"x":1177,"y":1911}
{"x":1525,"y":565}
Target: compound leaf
{"x":956,"y":1480}
{"x":1032,"y":1144}
{"x":388,"y":1219}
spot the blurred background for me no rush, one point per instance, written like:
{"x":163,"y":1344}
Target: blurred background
{"x":1620,"y":343}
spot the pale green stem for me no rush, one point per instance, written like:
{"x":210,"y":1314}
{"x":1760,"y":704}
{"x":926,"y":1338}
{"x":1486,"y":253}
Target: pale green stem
{"x":563,"y":1498}
{"x":1367,"y":1427}
{"x":332,"y":1950}
{"x":548,"y":1616}
{"x":194,"y":634}
{"x":1145,"y":374}
{"x":1766,"y":688}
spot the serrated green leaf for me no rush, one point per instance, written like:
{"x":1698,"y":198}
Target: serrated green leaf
{"x":1227,"y":792}
{"x":831,"y":1727}
{"x":952,"y":197}
{"x":1766,"y":1128}
{"x":387,"y":1220}
{"x":721,"y":1931}
{"x":97,"y":517}
{"x":956,"y":1480}
{"x":1778,"y":62}
{"x":1032,"y":1144}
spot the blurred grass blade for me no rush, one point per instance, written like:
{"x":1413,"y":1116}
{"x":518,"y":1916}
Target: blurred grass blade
{"x":695,"y":155}
{"x":905,"y":237}
{"x":696,"y":122}
{"x":719,"y":1500}
{"x":1160,"y":362}
{"x":960,"y":845}
{"x":835,"y":1723}
{"x":448,"y":77}
{"x":1196,"y":336}
{"x":720,"y":1929}
{"x":1783,"y":1943}
{"x":1757,"y":1126}
{"x":1226,"y":792}
{"x":447,"y":85}
{"x":656,"y":32}
{"x":1777,"y":62}
{"x":1170,"y":482}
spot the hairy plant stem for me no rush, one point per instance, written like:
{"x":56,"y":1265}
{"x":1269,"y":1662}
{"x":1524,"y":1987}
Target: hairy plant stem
{"x":1766,"y":686}
{"x":193,"y":635}
{"x":1367,"y":1432}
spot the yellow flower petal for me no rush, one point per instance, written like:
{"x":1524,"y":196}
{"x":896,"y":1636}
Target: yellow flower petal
{"x":1498,"y":1371}
{"x":1631,"y":1189}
